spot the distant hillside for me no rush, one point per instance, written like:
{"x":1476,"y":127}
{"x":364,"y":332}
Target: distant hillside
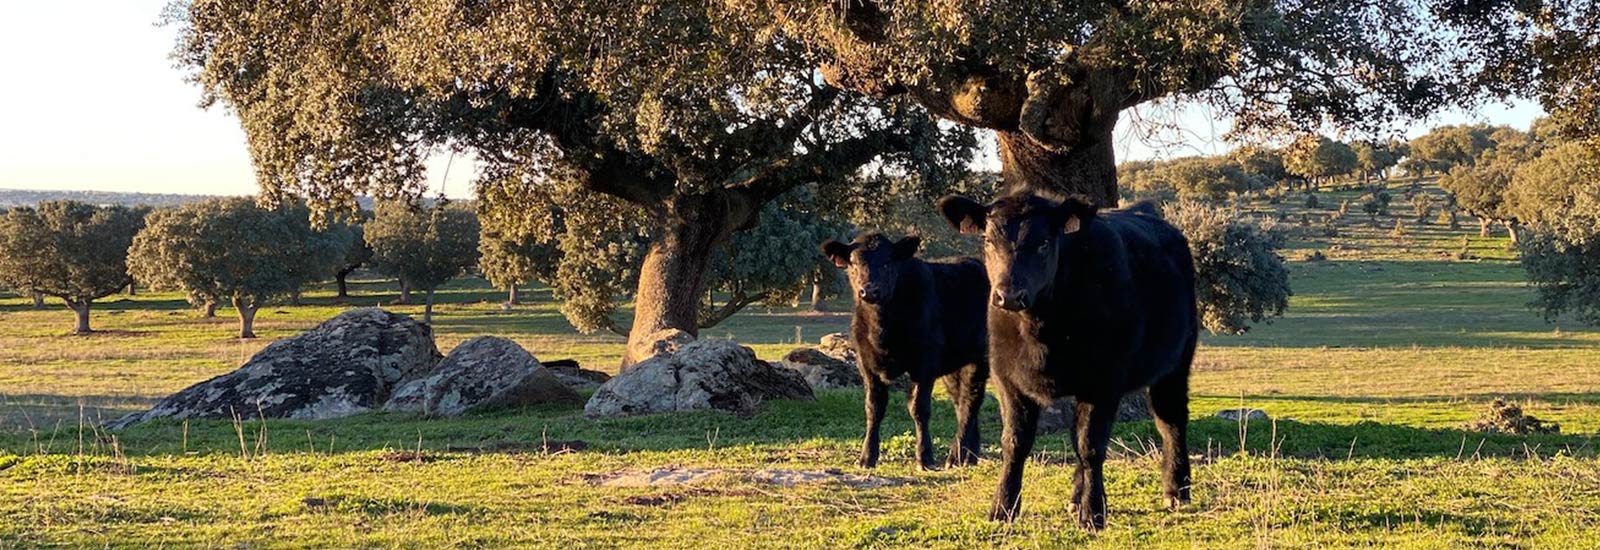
{"x":30,"y":197}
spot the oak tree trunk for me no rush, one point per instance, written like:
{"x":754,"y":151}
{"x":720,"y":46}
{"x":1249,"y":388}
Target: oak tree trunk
{"x":247,"y":317}
{"x":82,"y":310}
{"x":514,"y":296}
{"x":405,"y":292}
{"x":673,"y":276}
{"x":131,"y":290}
{"x":344,"y":287}
{"x":1483,"y":226}
{"x":1089,"y":169}
{"x":294,"y":297}
{"x":1511,"y":230}
{"x":427,"y":308}
{"x":210,"y":309}
{"x":38,"y":300}
{"x":816,"y":293}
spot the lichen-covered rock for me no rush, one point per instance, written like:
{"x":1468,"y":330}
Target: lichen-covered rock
{"x":838,"y":346}
{"x":1059,"y":415}
{"x":1243,"y":414}
{"x":483,"y":372}
{"x":576,"y":376}
{"x":347,"y":365}
{"x":705,"y":375}
{"x":822,"y":371}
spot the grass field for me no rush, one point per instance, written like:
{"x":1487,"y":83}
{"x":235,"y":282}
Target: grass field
{"x":1389,"y":347}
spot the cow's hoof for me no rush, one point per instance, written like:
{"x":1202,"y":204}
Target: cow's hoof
{"x":929,"y":466}
{"x":866,"y":462}
{"x":1090,"y":521}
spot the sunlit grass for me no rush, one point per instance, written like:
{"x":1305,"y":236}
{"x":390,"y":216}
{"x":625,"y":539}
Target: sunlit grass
{"x":1387,"y":351}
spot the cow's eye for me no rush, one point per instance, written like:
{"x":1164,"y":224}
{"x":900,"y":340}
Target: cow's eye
{"x":1044,"y":247}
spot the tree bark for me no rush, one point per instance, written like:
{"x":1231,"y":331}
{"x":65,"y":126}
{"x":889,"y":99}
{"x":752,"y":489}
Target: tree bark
{"x":1511,"y":231}
{"x":514,"y":296}
{"x":131,"y":290}
{"x":247,"y":317}
{"x":817,"y":303}
{"x":1483,"y":226}
{"x":344,"y":288}
{"x":405,"y":292}
{"x":1089,"y":169}
{"x":38,"y":300}
{"x":210,"y":309}
{"x":82,"y":309}
{"x":427,"y":308}
{"x":673,"y":276}
{"x":294,"y":297}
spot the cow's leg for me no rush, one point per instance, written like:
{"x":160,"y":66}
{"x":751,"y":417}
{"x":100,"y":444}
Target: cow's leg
{"x":877,"y":398}
{"x":1093,"y":436}
{"x":920,"y":405}
{"x":1169,"y":405}
{"x":966,"y":389}
{"x":1021,"y":418}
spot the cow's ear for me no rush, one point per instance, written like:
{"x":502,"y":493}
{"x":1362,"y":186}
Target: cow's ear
{"x":964,"y":214}
{"x":1074,"y":214}
{"x":838,"y":252}
{"x":907,"y":247}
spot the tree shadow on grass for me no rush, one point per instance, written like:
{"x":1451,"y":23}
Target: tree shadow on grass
{"x":832,"y":424}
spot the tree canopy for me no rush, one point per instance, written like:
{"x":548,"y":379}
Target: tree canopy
{"x":423,"y":246}
{"x":233,"y":251}
{"x":1050,"y":78}
{"x":68,"y":250}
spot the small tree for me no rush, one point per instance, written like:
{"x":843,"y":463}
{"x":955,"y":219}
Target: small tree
{"x":235,"y":251}
{"x":1480,"y":189}
{"x":1240,"y":276}
{"x":1422,"y":205}
{"x":1558,"y":195}
{"x":69,"y":250}
{"x":518,"y":241}
{"x":356,"y":254}
{"x":423,"y":247}
{"x":1311,"y":201}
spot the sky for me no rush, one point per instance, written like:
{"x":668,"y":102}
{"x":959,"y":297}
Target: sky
{"x":92,"y":101}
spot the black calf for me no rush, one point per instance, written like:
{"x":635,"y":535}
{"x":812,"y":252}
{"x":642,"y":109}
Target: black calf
{"x":1092,"y":306}
{"x":924,"y":319}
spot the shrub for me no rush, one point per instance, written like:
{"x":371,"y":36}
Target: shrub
{"x":1240,"y":276}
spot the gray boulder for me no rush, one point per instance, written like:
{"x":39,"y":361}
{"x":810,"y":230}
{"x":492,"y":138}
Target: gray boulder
{"x":347,"y":365}
{"x":1246,"y":415}
{"x":838,"y":346}
{"x":484,"y":372}
{"x":1058,"y":417}
{"x":822,"y":371}
{"x":704,"y":375}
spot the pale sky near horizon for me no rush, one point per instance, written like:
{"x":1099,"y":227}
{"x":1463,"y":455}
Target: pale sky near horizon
{"x":92,"y":102}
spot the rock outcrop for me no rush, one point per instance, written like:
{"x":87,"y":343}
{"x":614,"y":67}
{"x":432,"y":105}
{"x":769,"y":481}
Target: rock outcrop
{"x":347,"y":365}
{"x":703,"y":375}
{"x":822,"y":371}
{"x":484,"y":372}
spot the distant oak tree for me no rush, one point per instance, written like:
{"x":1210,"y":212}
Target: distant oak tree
{"x":68,"y":250}
{"x":424,"y":246}
{"x":236,"y":252}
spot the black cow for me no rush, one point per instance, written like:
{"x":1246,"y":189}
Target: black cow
{"x":922,"y":319}
{"x":1092,"y":306}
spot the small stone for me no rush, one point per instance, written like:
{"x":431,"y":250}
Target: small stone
{"x":1246,"y":414}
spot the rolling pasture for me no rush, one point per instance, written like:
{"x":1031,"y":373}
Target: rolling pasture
{"x":1390,"y":346}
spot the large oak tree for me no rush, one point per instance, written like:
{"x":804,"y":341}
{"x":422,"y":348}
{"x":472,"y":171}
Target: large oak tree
{"x":686,"y":112}
{"x":1051,"y":78}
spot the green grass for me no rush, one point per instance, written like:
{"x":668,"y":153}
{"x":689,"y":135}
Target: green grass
{"x":1387,"y":350}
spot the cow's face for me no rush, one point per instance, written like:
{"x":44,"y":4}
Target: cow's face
{"x":873,"y":263}
{"x":1023,"y":240}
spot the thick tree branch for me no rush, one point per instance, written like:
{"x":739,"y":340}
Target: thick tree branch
{"x":735,"y":303}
